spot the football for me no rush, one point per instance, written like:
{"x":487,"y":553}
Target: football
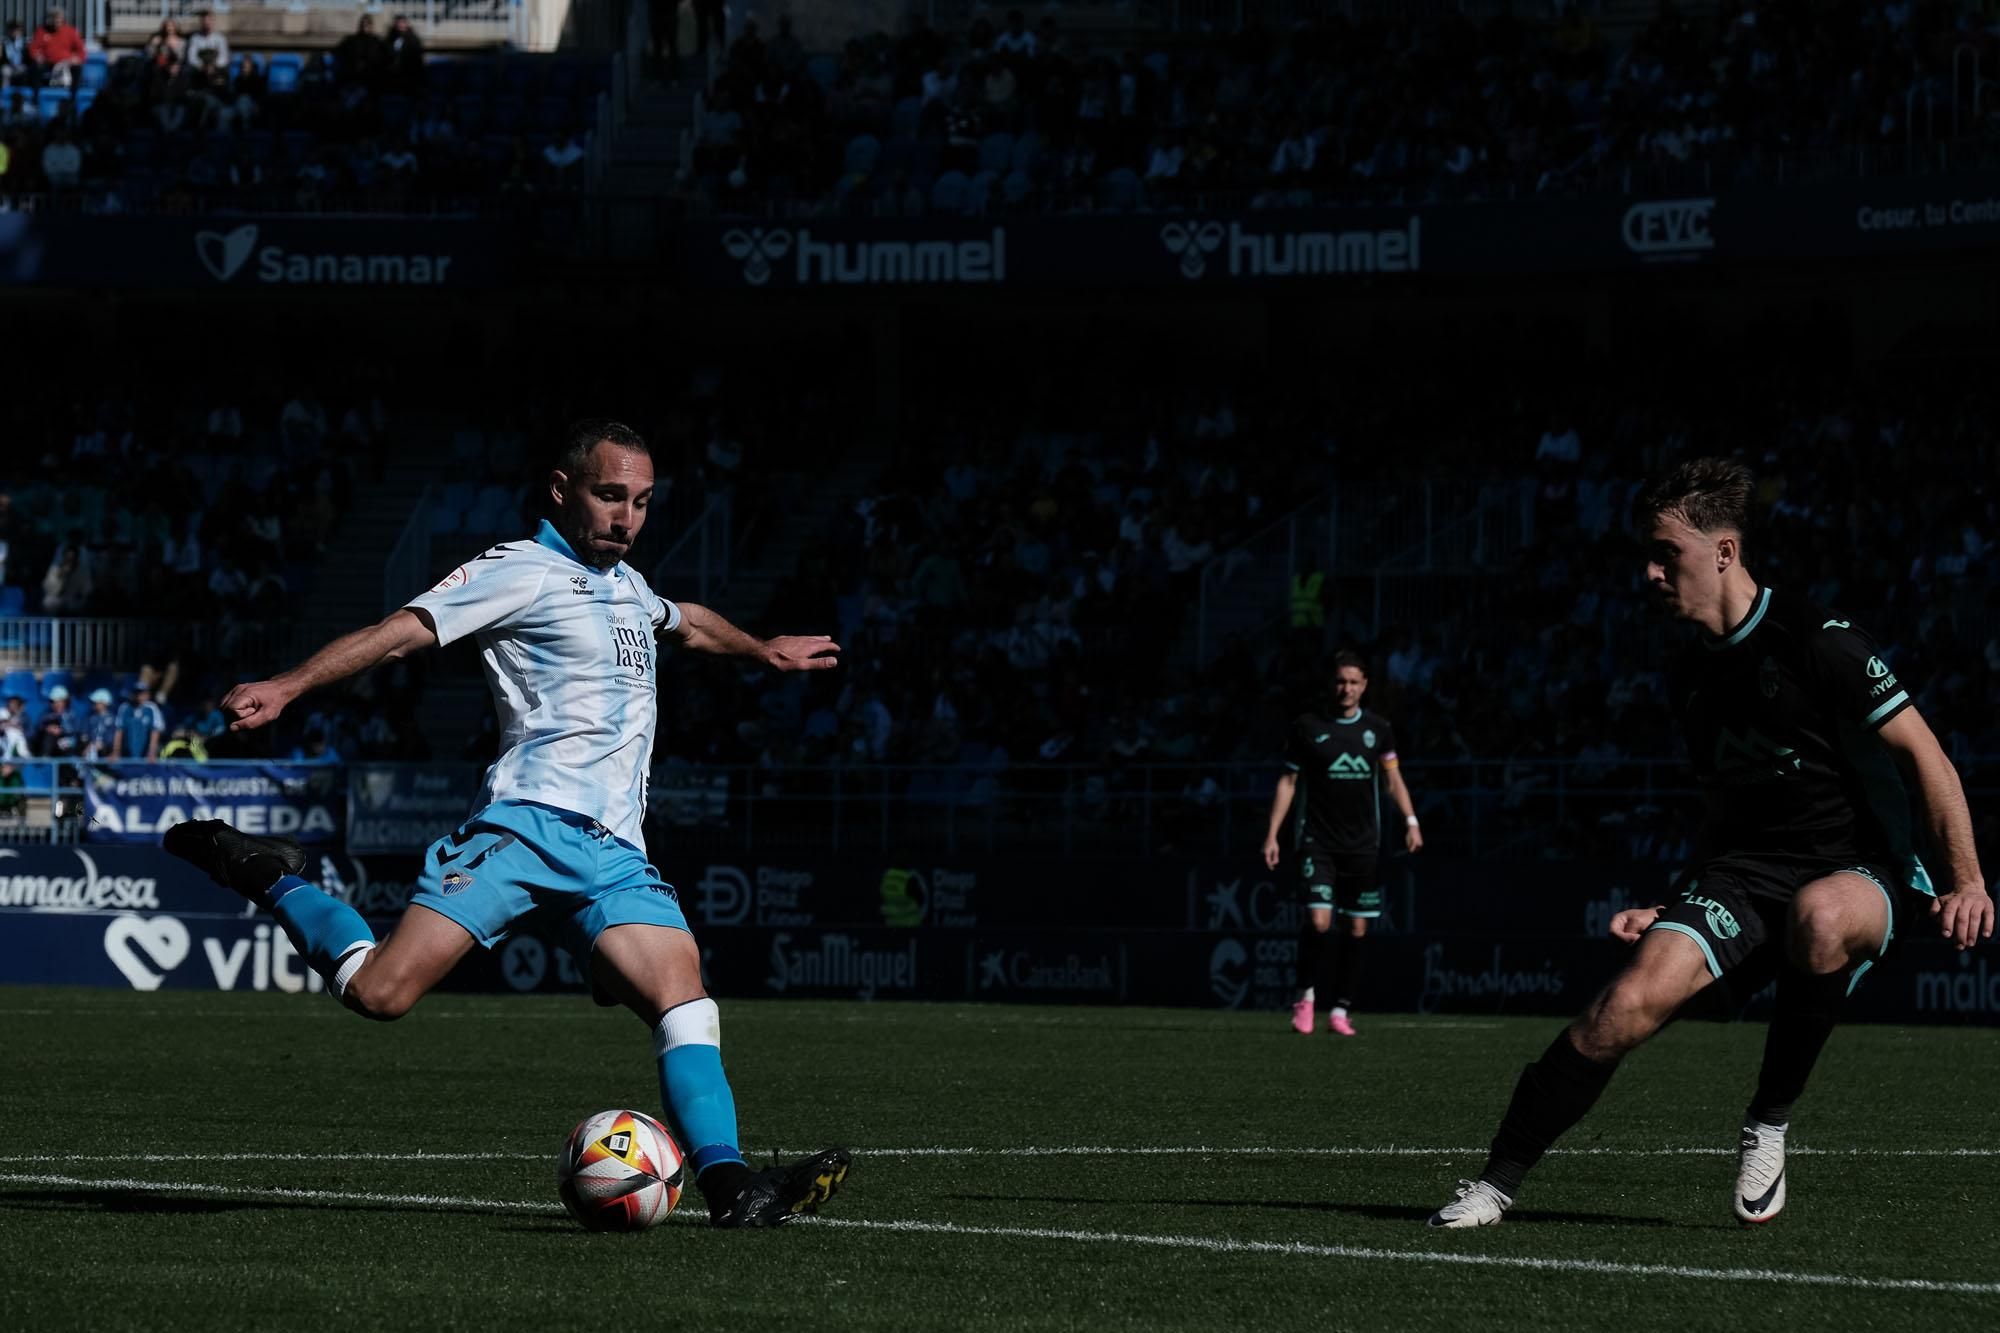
{"x":620,"y":1171}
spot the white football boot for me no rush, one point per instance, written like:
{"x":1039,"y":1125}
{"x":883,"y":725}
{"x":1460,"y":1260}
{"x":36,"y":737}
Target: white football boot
{"x":1477,"y":1204}
{"x":1760,"y":1173}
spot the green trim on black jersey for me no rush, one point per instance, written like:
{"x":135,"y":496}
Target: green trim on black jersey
{"x":1742,"y":631}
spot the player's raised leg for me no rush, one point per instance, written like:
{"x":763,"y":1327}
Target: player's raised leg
{"x":655,"y":971}
{"x":377,"y":982}
{"x":1837,"y":925}
{"x":1557,"y":1090}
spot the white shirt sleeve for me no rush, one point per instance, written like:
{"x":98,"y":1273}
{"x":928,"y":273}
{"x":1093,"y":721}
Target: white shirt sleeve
{"x":489,"y":591}
{"x":666,"y":615}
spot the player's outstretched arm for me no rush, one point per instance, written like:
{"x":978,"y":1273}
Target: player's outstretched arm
{"x":1281,"y":803}
{"x":703,"y":631}
{"x":260,"y":702}
{"x":1963,"y":909}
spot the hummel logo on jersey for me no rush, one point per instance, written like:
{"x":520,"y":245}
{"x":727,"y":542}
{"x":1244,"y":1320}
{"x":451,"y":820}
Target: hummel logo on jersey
{"x":580,"y":584}
{"x":1348,"y":766}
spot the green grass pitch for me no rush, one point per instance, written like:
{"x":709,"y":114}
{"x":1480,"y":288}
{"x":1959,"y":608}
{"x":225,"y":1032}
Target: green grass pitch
{"x":224,"y":1161}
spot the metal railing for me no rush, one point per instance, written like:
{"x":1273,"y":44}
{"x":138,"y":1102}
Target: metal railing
{"x":1516,"y":806}
{"x":88,"y":643}
{"x":518,"y":21}
{"x":1386,"y":531}
{"x":409,"y":564}
{"x":697,"y":564}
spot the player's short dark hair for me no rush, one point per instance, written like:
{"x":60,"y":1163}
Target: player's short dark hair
{"x":580,"y":437}
{"x":1707,"y":494}
{"x":1347,"y":657}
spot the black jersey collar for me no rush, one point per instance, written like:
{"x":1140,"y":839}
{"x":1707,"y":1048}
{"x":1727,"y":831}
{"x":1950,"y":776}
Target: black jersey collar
{"x":1742,"y":631}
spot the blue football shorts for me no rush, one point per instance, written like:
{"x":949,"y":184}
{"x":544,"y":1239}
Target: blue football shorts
{"x":516,"y":859}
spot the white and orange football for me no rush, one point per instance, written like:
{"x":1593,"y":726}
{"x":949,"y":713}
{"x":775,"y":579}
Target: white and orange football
{"x":620,"y":1171}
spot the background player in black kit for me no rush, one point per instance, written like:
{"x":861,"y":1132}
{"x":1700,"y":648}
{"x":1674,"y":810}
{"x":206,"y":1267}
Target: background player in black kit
{"x":1803,"y":738}
{"x":1345,"y":759}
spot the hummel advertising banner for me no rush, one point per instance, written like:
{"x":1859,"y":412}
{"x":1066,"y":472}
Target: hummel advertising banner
{"x":265,"y":253}
{"x":1232,"y":248}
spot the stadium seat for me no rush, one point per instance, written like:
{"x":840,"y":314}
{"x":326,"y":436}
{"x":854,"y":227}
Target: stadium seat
{"x":908,"y":115}
{"x":864,"y":153}
{"x":469,"y":109}
{"x":1121,"y":190}
{"x":51,"y":103}
{"x":948,"y":195}
{"x":824,"y":70}
{"x":395,"y":112}
{"x":555,"y":112}
{"x":284,"y":72}
{"x":1015,"y":187}
{"x":96,"y":69}
{"x":39,"y":779}
{"x":441,"y":75}
{"x":13,"y":600}
{"x":563,"y":78}
{"x":520,"y":76}
{"x":996,"y":152}
{"x":84,"y":99}
{"x":978,"y":194}
{"x":19,"y":681}
{"x":1027,"y":153}
{"x":478,"y":76}
{"x":509,"y":111}
{"x":299,"y":144}
{"x":53,"y":677}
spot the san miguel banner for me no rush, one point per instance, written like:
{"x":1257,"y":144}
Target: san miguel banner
{"x":263,"y":253}
{"x":1224,"y":248}
{"x":138,"y":802}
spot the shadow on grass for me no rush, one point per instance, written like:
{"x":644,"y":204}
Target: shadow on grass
{"x":188,"y":1205}
{"x":1385,"y":1212}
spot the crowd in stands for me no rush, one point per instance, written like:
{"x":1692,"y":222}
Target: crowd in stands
{"x":1021,"y":587}
{"x":372,"y":124}
{"x":1412,"y":105}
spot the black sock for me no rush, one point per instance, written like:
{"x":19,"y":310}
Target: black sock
{"x":1347,"y":972}
{"x":1306,"y":966}
{"x":1554,"y":1093}
{"x":1808,"y":1007}
{"x":721,"y":1182}
{"x":1327,"y":970}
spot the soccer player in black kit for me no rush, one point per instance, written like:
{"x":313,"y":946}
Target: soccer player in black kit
{"x":1343,"y":759}
{"x":1809,"y":750}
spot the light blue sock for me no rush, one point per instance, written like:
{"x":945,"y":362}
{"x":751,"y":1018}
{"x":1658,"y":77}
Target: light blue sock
{"x":322,"y":928}
{"x":688,"y":1042}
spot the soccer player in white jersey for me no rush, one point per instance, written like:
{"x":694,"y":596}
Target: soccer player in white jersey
{"x":566,"y":637}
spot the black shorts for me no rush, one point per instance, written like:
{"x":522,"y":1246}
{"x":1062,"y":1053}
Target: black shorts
{"x":1737,"y":908}
{"x":1343,"y":881}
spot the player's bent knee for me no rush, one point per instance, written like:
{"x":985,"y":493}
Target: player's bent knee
{"x":375,"y":994}
{"x":1820,"y":938}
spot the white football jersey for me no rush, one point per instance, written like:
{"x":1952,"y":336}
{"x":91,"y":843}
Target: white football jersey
{"x":568,"y":650}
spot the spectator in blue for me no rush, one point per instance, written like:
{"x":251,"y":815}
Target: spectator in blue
{"x":100,"y":727}
{"x":59,"y":712}
{"x":141,"y":724}
{"x":208,"y":722}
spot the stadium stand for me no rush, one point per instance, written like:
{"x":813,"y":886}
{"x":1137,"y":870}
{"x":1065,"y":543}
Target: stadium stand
{"x":369,"y":124}
{"x":1402,"y":102}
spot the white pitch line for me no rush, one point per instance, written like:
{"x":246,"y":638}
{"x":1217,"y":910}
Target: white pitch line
{"x":278,"y":1192}
{"x":1188,"y":1150}
{"x":1599,"y":1267}
{"x":1206,"y":1244}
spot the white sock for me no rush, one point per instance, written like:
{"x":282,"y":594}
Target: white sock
{"x":344,"y":970}
{"x":1304,"y":996}
{"x":1340,"y":1011}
